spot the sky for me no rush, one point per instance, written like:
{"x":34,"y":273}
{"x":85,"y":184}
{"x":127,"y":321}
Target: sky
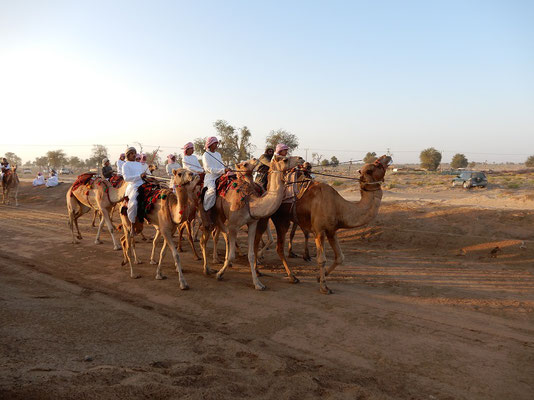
{"x":346,"y":77}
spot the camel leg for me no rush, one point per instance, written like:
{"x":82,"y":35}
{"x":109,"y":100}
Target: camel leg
{"x":154,"y":243}
{"x":321,"y":261}
{"x":252,"y":255}
{"x":196,"y":222}
{"x":281,"y":230}
{"x":230,"y":237}
{"x":167,"y":235}
{"x":95,"y":213}
{"x":100,"y":225}
{"x":130,"y":247}
{"x":306,"y":256}
{"x":107,"y":219}
{"x":203,"y":247}
{"x":190,"y":238}
{"x":339,"y":257}
{"x":215,"y":235}
{"x":161,"y":256}
{"x":17,"y":196}
{"x":180,"y":231}
{"x":266,"y":245}
{"x":290,"y":246}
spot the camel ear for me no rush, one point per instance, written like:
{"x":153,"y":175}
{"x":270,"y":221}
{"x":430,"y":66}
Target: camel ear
{"x":174,"y":172}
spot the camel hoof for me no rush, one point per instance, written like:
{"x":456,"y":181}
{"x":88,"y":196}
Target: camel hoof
{"x":325,"y":290}
{"x":136,"y":276}
{"x":152,"y":262}
{"x":79,"y":237}
{"x":292,"y":279}
{"x":219,"y":276}
{"x":197,"y":258}
{"x":260,"y":286}
{"x":161,"y":277}
{"x":306,"y":258}
{"x":123,"y":263}
{"x":98,"y":242}
{"x":117,"y":248}
{"x":184,"y":286}
{"x":207,"y":272}
{"x":293,"y":255}
{"x":259,"y":273}
{"x":138,"y":262}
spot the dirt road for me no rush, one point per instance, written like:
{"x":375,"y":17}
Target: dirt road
{"x":420,"y":310}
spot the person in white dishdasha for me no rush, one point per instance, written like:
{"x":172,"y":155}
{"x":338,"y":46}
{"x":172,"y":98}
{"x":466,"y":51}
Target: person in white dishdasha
{"x":133,"y":173}
{"x":214,"y":167}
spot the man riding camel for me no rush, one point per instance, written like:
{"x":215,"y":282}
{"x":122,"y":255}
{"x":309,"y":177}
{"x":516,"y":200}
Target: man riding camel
{"x":133,"y":173}
{"x":263,"y":167}
{"x":120,"y":163}
{"x":171,"y":164}
{"x":190,"y":160}
{"x":107,"y":169}
{"x":214,"y":168}
{"x":4,"y":167}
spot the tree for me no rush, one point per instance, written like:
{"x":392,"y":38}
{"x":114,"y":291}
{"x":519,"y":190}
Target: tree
{"x":430,"y":159}
{"x":228,"y":141}
{"x":530,"y":162}
{"x":153,"y":157}
{"x":325,"y":162}
{"x":370,"y":157}
{"x":334,"y":161}
{"x":472,"y":164}
{"x":459,"y":161}
{"x":99,"y":152}
{"x":56,"y":158}
{"x":75,"y":162}
{"x":199,"y":145}
{"x":316,"y":158}
{"x":282,"y":136}
{"x":41,"y":162}
{"x":13,"y":158}
{"x":245,"y":147}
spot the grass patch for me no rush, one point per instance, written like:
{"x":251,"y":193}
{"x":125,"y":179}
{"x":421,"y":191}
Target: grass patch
{"x":337,"y":183}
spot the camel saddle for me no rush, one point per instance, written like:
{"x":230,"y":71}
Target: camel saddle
{"x":86,"y":178}
{"x":116,"y":180}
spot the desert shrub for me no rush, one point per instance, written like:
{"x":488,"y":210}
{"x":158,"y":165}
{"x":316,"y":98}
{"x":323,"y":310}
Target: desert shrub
{"x":459,"y":161}
{"x":513,"y":185}
{"x":530,"y":162}
{"x":430,"y":159}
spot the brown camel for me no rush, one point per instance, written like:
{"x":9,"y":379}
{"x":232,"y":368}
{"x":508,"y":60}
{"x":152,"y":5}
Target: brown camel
{"x":187,"y":185}
{"x":245,"y":207}
{"x":99,"y":195}
{"x":10,"y":182}
{"x":322,"y":211}
{"x":166,"y":215}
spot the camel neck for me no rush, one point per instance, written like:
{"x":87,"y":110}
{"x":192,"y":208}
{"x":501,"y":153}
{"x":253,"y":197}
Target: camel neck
{"x":361,"y":212}
{"x":270,"y":201}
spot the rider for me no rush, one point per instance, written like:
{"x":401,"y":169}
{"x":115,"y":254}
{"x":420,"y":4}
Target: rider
{"x":263,"y":167}
{"x":214,"y":167}
{"x":281,"y":150}
{"x":4,"y":167}
{"x":107,"y":169}
{"x":171,"y":164}
{"x":134,"y":173}
{"x":190,"y":160}
{"x":120,"y":163}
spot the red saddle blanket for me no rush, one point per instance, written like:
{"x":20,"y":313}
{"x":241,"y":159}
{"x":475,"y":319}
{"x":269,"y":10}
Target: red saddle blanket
{"x":116,"y":180}
{"x":147,"y":195}
{"x":81,"y":180}
{"x":231,"y":182}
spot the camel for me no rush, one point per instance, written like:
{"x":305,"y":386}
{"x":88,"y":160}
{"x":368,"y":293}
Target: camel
{"x":98,"y":195}
{"x":9,"y":183}
{"x":322,"y":211}
{"x":187,"y":184}
{"x":245,"y":207}
{"x":166,"y":215}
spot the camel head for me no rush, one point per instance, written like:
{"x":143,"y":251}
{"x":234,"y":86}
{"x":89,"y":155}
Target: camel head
{"x":284,"y":163}
{"x":372,"y":174}
{"x":246,"y":167}
{"x":181,"y":176}
{"x":152,"y":168}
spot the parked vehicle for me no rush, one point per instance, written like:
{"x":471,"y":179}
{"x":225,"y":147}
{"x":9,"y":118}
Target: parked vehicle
{"x":65,"y":171}
{"x":27,"y":171}
{"x":469,"y":179}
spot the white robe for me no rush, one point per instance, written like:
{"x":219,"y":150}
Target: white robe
{"x":170,"y":167}
{"x":120,"y":163}
{"x":214,"y":168}
{"x":40,"y":180}
{"x":131,"y":171}
{"x":191,"y":164}
{"x":52,"y":181}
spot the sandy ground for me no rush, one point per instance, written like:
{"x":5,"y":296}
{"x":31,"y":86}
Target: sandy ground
{"x":420,"y":310}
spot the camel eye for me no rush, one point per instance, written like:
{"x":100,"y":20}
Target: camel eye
{"x":369,"y":172}
{"x":246,"y":165}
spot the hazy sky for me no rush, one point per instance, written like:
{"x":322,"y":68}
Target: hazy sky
{"x":345,"y":77}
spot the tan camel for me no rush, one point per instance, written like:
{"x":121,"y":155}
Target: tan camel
{"x":246,"y":208}
{"x":9,"y":183}
{"x":166,"y":215}
{"x":322,"y":211}
{"x":99,"y":195}
{"x":188,"y":185}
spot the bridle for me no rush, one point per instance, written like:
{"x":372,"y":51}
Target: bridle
{"x":363,"y":183}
